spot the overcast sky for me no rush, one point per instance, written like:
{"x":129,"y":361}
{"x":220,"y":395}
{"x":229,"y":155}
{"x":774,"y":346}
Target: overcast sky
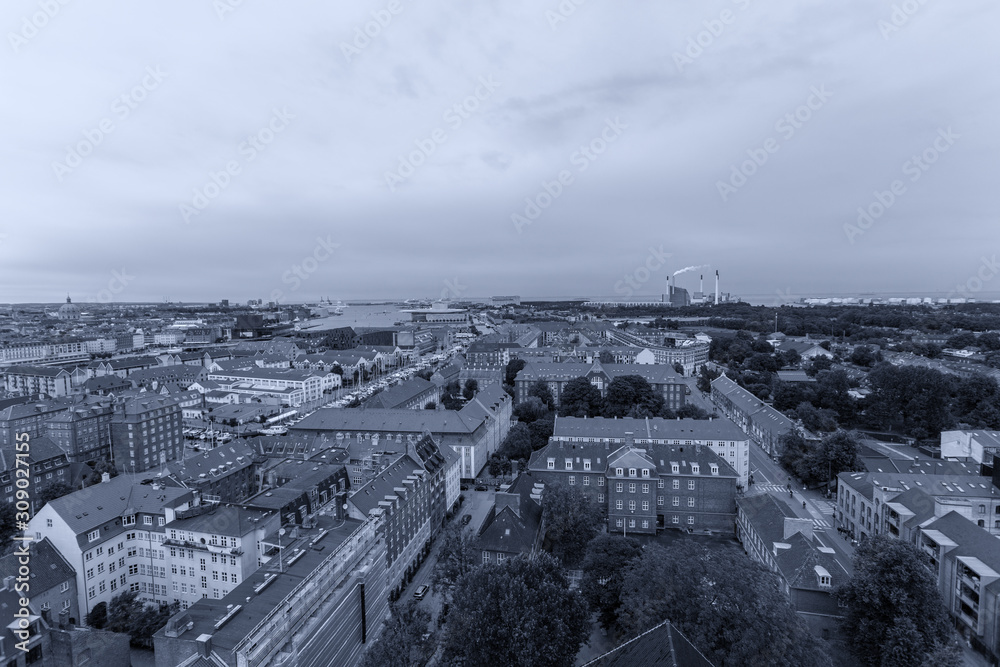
{"x":668,"y":97}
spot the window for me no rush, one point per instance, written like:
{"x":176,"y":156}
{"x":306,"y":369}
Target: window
{"x":690,"y":502}
{"x":824,"y":581}
{"x":64,"y":587}
{"x":161,"y":521}
{"x":93,"y":535}
{"x":600,"y":499}
{"x":631,"y":505}
{"x":631,"y":523}
{"x":645,"y":472}
{"x":676,"y":484}
{"x":645,"y":488}
{"x":675,"y":501}
{"x":586,"y":464}
{"x":631,"y":487}
{"x":600,"y":482}
{"x":48,"y":523}
{"x":695,"y":468}
{"x":619,"y":471}
{"x":659,"y":501}
{"x":675,"y":467}
{"x":619,"y":487}
{"x":100,"y":568}
{"x":618,"y":504}
{"x":90,"y":573}
{"x":631,"y":472}
{"x":586,"y":480}
{"x":569,"y":464}
{"x":572,"y":480}
{"x":551,"y":466}
{"x":645,"y":505}
{"x":129,"y":520}
{"x":659,"y":484}
{"x":982,"y":509}
{"x":88,"y":556}
{"x":147,"y":520}
{"x":675,"y":519}
{"x":645,"y":524}
{"x":690,"y":520}
{"x":690,"y":485}
{"x":486,"y":556}
{"x":91,"y":593}
{"x":715,"y":469}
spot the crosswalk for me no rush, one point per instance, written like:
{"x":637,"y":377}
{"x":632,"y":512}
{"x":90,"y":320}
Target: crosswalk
{"x":825,"y":507}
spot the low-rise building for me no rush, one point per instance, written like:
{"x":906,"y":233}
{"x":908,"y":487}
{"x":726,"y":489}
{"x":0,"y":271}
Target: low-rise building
{"x":47,"y":381}
{"x":765,"y":425}
{"x":291,"y":387}
{"x":513,"y":525}
{"x":412,"y":394}
{"x":648,"y":488}
{"x":662,"y":378}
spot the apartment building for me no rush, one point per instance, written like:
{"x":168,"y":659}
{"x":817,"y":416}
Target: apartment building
{"x":112,"y":535}
{"x":765,"y":425}
{"x":289,"y":386}
{"x":146,"y":433}
{"x":662,"y":378}
{"x":43,"y":380}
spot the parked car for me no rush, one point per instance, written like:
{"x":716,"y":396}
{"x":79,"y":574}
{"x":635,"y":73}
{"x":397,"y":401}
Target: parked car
{"x":465,"y":487}
{"x":481,"y":487}
{"x":466,"y":519}
{"x":420,"y":592}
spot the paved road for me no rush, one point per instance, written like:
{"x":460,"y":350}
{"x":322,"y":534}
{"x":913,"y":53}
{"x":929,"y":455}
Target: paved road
{"x":769,"y":477}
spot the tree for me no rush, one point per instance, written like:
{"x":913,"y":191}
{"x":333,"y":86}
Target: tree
{"x":603,"y":566}
{"x":605,"y":357}
{"x":691,"y":411}
{"x":729,"y":607}
{"x":705,"y":377}
{"x":818,"y":364}
{"x":425,"y":374}
{"x":530,"y":410}
{"x":457,"y":557}
{"x":864,"y":356}
{"x":8,"y":524}
{"x":401,"y":643}
{"x":679,"y":368}
{"x":431,"y":405}
{"x":514,"y":366}
{"x":517,"y":444}
{"x":895,"y":615}
{"x":57,"y":490}
{"x":580,"y":399}
{"x":519,"y":613}
{"x":541,"y":390}
{"x":98,"y":616}
{"x":449,"y":396}
{"x":499,"y":466}
{"x":571,"y":520}
{"x":988,"y":341}
{"x":632,"y":396}
{"x":471,"y":387}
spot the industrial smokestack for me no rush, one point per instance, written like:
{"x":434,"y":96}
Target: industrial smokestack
{"x":716,"y":287}
{"x":701,"y":285}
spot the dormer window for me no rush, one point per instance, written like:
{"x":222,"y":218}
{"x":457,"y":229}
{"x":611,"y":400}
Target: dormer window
{"x":694,"y":468}
{"x":645,"y":472}
{"x":824,"y":581}
{"x":569,"y":464}
{"x":631,"y":472}
{"x":619,"y":472}
{"x":551,"y":464}
{"x":586,"y":464}
{"x":675,"y":468}
{"x":715,"y":469}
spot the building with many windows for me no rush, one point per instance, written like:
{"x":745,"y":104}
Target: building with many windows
{"x":662,"y":378}
{"x":211,"y":549}
{"x":112,"y":535}
{"x":83,"y":431}
{"x":765,"y":425}
{"x":47,"y":381}
{"x":146,"y":433}
{"x":645,"y":488}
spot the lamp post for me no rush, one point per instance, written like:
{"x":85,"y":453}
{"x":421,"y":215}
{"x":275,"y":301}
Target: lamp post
{"x":281,"y":567}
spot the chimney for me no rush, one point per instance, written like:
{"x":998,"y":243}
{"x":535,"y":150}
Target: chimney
{"x":701,"y":285}
{"x":511,"y":500}
{"x":204,"y":645}
{"x":8,"y":583}
{"x":716,"y":287}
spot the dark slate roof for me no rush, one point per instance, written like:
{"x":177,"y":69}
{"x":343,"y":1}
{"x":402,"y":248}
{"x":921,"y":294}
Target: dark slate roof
{"x":368,"y":496}
{"x":394,"y":397}
{"x":377,"y":420}
{"x":655,"y":428}
{"x":662,"y":646}
{"x":48,"y":568}
{"x":513,"y":532}
{"x":973,"y":542}
{"x":94,"y":506}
